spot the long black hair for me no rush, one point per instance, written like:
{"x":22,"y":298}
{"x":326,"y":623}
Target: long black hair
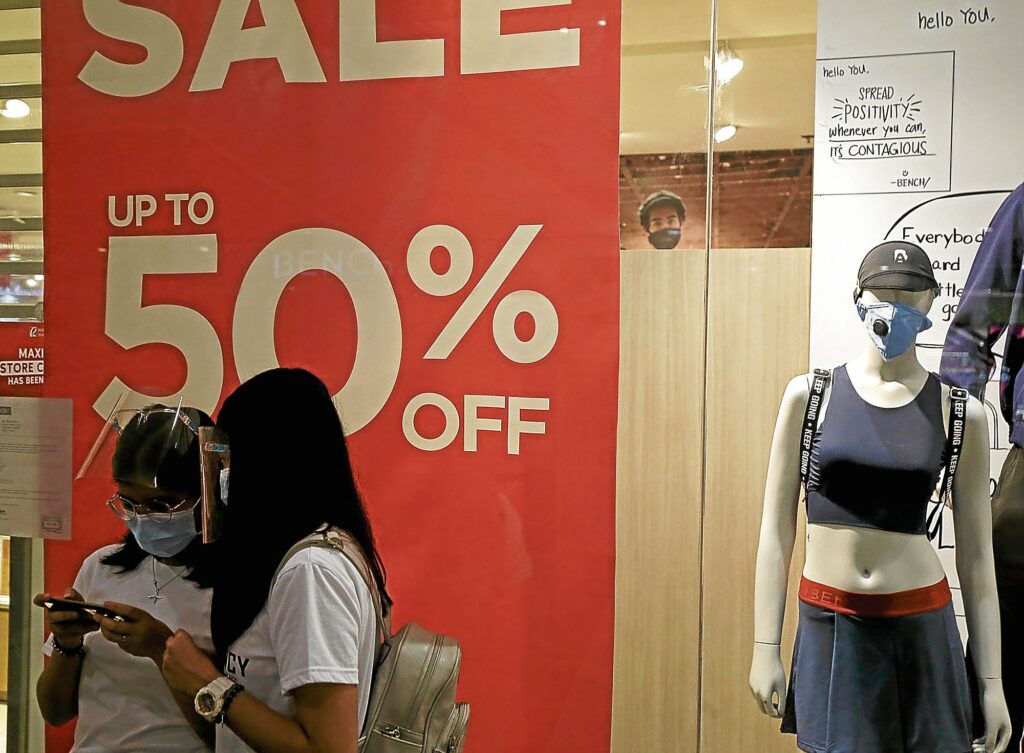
{"x":290,"y":474}
{"x":141,"y":452}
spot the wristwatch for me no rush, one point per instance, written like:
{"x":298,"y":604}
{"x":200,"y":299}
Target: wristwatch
{"x":212,"y":701}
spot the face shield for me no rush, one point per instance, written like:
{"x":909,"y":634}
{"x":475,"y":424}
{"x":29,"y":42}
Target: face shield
{"x":150,"y":459}
{"x":215,"y":463}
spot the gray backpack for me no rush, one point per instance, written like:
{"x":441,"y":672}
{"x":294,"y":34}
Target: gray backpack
{"x":412,"y":693}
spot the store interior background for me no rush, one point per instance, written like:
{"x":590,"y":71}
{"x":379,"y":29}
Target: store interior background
{"x":711,"y":332}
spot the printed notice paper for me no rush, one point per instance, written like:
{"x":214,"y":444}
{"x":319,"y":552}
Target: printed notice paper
{"x":35,"y":467}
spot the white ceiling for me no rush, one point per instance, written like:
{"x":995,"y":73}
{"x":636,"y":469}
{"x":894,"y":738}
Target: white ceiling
{"x":19,"y":24}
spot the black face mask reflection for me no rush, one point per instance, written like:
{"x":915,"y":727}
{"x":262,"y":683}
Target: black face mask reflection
{"x":667,"y":237}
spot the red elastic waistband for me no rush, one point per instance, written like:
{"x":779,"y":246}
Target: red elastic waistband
{"x":899,"y":604}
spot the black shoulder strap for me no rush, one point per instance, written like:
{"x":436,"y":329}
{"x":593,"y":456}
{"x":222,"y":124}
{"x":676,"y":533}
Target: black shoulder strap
{"x":819,"y":385}
{"x":954,"y":445}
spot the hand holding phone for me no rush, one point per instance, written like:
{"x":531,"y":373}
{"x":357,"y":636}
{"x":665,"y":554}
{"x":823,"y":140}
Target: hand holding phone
{"x":69,"y":617}
{"x":82,"y":608}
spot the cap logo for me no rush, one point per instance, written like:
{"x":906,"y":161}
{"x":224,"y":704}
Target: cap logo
{"x":899,"y":256}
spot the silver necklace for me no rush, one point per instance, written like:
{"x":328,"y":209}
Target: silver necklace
{"x":155,"y":596}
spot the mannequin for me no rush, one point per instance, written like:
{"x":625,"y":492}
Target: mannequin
{"x":866,"y":560}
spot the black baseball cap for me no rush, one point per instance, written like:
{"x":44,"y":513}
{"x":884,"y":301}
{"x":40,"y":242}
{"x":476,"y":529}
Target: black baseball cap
{"x":896,"y":265}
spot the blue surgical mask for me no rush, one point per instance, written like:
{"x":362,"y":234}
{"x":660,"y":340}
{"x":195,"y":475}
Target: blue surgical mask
{"x":892,"y":327}
{"x":164,"y":538}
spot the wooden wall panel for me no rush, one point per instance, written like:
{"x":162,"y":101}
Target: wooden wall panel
{"x":657,"y":603}
{"x":757,"y":341}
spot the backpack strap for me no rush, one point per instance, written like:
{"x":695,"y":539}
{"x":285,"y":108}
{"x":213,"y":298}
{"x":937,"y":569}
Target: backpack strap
{"x":954,"y":445}
{"x":339,"y":540}
{"x":819,"y":385}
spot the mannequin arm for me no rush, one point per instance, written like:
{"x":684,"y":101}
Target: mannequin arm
{"x":972,"y":516}
{"x":775,"y":549}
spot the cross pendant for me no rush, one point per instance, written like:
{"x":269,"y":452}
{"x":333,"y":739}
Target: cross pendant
{"x":155,"y":597}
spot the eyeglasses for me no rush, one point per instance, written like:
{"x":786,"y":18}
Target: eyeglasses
{"x":160,"y":509}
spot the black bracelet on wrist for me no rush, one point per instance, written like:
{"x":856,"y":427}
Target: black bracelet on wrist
{"x":229,"y":696}
{"x":69,"y":653}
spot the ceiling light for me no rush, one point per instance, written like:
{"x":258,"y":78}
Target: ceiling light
{"x":564,"y":30}
{"x":15,"y":108}
{"x":25,"y":193}
{"x":13,"y":257}
{"x":728,"y":68}
{"x":725,"y":133}
{"x":602,"y":22}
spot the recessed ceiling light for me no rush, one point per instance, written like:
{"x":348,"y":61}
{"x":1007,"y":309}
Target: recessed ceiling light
{"x":602,"y":22}
{"x":15,"y":108}
{"x":564,"y":30}
{"x":25,"y":193}
{"x":725,"y":133}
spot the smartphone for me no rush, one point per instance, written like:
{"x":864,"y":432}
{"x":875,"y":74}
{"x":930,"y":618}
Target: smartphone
{"x":70,"y":605}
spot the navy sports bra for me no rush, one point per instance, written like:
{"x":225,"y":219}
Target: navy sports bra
{"x":876,"y":467}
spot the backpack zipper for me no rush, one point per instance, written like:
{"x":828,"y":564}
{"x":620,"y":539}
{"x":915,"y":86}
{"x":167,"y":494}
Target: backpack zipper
{"x":421,"y":689}
{"x":458,"y":736}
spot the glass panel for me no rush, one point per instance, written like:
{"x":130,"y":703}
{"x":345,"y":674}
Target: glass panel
{"x":21,"y":293}
{"x":764,"y":124}
{"x":663,"y":148}
{"x":664,"y":114}
{"x":758,"y":285}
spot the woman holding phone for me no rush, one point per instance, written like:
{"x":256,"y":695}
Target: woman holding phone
{"x":104,"y":666}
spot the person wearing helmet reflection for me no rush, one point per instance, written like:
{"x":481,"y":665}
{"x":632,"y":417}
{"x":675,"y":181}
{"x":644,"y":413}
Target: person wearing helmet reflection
{"x":662,"y":215}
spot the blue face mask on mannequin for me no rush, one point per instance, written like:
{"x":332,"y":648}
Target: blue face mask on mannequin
{"x":164,"y":538}
{"x":892,"y":327}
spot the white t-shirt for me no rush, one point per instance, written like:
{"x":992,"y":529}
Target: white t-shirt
{"x":123,"y":703}
{"x":318,"y":626}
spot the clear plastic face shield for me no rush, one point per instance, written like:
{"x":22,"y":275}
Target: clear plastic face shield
{"x":215,"y":464}
{"x":149,"y":458}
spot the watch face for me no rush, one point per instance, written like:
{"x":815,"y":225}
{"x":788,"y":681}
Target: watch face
{"x":205,"y":702}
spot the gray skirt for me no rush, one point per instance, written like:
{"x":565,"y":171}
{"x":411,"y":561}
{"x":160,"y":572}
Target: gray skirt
{"x":878,"y":685}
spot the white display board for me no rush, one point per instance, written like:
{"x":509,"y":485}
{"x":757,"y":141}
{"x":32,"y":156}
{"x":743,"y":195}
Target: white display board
{"x":918,"y":136}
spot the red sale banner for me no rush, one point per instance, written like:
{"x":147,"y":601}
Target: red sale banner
{"x":417,"y":201}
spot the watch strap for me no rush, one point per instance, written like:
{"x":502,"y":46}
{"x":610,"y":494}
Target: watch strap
{"x":229,"y":696}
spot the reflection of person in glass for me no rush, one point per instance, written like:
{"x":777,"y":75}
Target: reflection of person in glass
{"x":992,"y":304}
{"x":878,"y":663}
{"x":662,"y":215}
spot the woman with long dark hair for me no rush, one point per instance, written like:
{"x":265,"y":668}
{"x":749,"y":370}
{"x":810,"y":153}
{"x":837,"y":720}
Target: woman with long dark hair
{"x":106,"y":672}
{"x":296,"y":640}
